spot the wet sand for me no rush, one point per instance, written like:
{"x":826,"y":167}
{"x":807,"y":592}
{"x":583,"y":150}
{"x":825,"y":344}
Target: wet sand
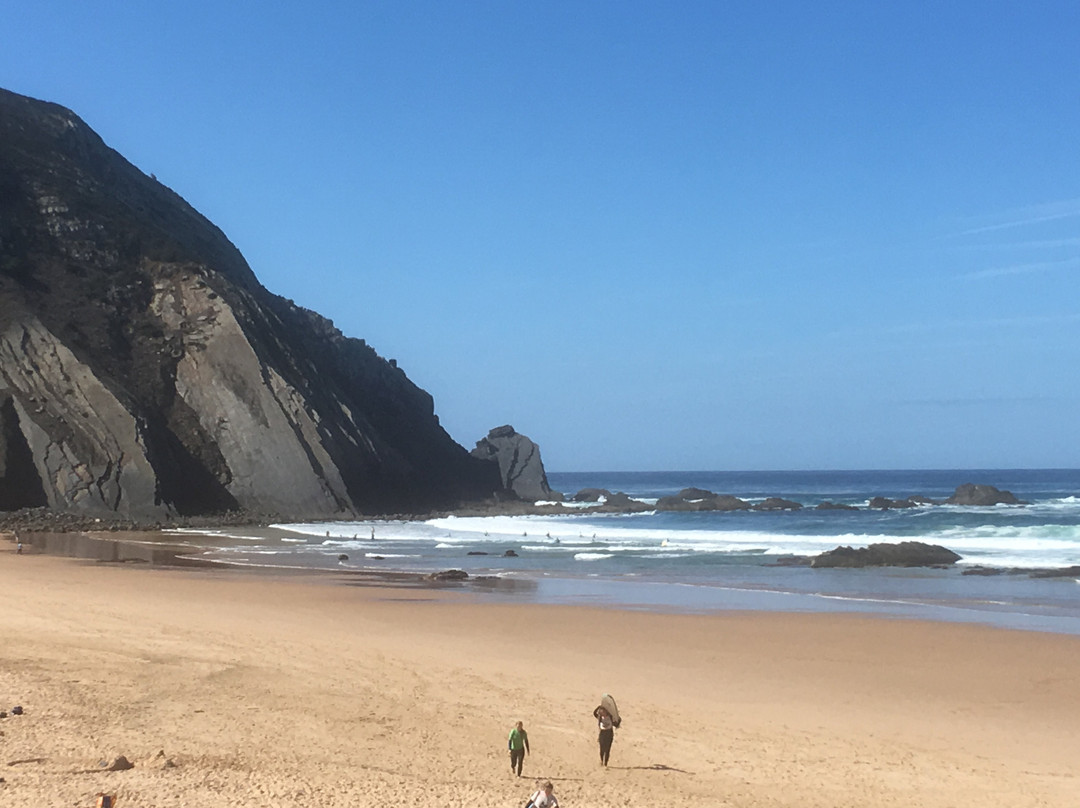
{"x":226,"y":688}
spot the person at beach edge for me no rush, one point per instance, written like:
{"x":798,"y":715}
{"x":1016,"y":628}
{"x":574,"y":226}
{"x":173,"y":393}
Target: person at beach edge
{"x":518,"y":743}
{"x":607,"y":733}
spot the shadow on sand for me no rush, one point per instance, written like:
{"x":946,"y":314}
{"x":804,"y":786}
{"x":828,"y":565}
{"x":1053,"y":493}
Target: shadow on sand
{"x":655,"y":767}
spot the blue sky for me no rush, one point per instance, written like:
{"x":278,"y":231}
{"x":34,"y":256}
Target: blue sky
{"x":696,"y":235}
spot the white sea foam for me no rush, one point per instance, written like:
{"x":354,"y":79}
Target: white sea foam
{"x":1013,"y":545}
{"x":1005,"y":539}
{"x":592,"y":556}
{"x":269,"y":551}
{"x":217,"y":534}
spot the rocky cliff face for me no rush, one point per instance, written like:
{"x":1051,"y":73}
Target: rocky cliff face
{"x":144,"y":371}
{"x":520,"y":467}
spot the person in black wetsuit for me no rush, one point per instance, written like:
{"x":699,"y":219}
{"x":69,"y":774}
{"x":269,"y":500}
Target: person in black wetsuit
{"x":607,"y":733}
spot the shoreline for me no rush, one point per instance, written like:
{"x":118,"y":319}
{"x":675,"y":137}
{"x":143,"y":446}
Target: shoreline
{"x":769,"y":595}
{"x":262,"y":690}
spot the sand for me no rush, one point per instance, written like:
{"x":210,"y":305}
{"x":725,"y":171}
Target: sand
{"x":229,"y":689}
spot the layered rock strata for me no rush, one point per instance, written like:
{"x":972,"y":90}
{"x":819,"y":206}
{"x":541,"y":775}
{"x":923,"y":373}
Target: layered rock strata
{"x":144,"y":371}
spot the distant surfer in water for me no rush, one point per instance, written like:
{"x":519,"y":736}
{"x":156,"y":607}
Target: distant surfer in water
{"x":607,"y":732}
{"x":519,"y":747}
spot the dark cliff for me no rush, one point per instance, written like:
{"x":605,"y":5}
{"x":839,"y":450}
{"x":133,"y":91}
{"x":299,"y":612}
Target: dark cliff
{"x":145,"y":371}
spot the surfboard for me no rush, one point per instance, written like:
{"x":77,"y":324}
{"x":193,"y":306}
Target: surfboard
{"x":608,"y":703}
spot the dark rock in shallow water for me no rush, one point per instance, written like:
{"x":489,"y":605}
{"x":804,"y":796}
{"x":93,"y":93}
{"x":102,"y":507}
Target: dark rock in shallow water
{"x":834,"y":506}
{"x":904,"y":554}
{"x":884,"y":503}
{"x":919,"y":499}
{"x":449,"y":575}
{"x":981,"y":495}
{"x":777,"y":504}
{"x":510,"y":554}
{"x":695,"y":493}
{"x":476,"y":553}
{"x":1043,"y":572}
{"x":1064,"y":572}
{"x":698,"y":499}
{"x":726,"y":502}
{"x":518,"y":460}
{"x":591,"y":495}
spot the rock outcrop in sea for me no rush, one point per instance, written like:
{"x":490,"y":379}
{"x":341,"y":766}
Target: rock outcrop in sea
{"x":901,"y":554}
{"x":521,"y":471}
{"x":699,"y":499}
{"x":145,"y":371}
{"x":981,"y":495}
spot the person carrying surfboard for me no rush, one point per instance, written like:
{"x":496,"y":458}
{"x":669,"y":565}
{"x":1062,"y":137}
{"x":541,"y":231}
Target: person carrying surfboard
{"x":518,"y":743}
{"x":607,"y":718}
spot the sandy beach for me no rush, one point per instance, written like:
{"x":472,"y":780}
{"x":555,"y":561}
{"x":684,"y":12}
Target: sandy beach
{"x":234,"y":689}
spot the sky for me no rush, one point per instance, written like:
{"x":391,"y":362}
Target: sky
{"x":648,"y":235}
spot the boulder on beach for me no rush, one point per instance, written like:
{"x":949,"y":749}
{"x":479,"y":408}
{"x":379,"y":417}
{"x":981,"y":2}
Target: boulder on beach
{"x":902,"y":554}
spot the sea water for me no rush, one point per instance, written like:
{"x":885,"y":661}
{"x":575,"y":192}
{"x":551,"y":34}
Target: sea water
{"x":703,"y":561}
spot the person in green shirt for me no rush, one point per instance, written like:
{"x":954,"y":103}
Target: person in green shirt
{"x":518,"y":743}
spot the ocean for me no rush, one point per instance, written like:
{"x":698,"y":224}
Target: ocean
{"x":710,"y":561}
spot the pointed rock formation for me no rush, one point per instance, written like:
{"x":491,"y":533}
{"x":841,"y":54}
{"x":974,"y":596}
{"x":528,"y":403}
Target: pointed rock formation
{"x":520,"y":467}
{"x":144,"y":371}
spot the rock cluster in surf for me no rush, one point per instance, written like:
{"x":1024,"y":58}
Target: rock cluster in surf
{"x":700,"y":499}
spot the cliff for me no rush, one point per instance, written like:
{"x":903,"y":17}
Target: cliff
{"x":144,"y":371}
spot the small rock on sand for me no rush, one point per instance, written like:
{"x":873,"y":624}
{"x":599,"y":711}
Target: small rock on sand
{"x":120,"y":764}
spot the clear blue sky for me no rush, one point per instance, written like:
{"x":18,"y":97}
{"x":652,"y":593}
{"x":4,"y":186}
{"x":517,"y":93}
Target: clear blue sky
{"x":670,"y":235}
